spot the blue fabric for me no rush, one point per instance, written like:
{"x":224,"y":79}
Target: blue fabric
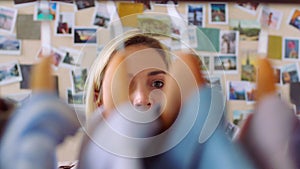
{"x":34,"y":131}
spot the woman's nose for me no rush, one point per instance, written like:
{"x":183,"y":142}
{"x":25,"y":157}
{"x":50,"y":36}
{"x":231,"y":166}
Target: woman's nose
{"x":140,"y":99}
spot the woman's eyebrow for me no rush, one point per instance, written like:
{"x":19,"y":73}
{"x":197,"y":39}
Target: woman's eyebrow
{"x":156,"y":72}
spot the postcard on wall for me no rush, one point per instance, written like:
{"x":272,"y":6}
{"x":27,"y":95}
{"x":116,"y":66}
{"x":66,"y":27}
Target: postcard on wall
{"x":290,"y":48}
{"x":236,"y":90}
{"x":101,"y":15}
{"x":45,"y":11}
{"x":71,"y":58}
{"x":196,"y":14}
{"x":248,"y":65}
{"x":85,"y":35}
{"x":84,"y":4}
{"x":8,"y":17}
{"x":155,"y":24}
{"x":78,"y":79}
{"x":295,"y":18}
{"x":249,"y":30}
{"x":229,"y":41}
{"x":274,"y":47}
{"x":208,"y":39}
{"x":250,"y":7}
{"x":57,"y":56}
{"x":27,"y":28}
{"x":64,"y":24}
{"x":290,"y":73}
{"x":270,"y":18}
{"x":10,"y":72}
{"x":227,"y":64}
{"x":218,"y":13}
{"x":239,"y":116}
{"x":9,"y":45}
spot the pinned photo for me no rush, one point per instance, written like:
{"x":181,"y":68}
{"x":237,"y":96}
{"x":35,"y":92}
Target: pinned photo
{"x":196,"y":14}
{"x":250,"y":93}
{"x":8,"y":17}
{"x":277,"y":72}
{"x":214,"y":82}
{"x":236,"y":90}
{"x":9,"y":45}
{"x":295,"y":19}
{"x":218,"y":13}
{"x":229,"y":42}
{"x":84,"y":4}
{"x":249,"y":30}
{"x":250,"y":7}
{"x":10,"y":72}
{"x":75,"y":98}
{"x":101,"y":15}
{"x":79,"y":77}
{"x":225,"y":64}
{"x":270,"y":18}
{"x":248,"y":72}
{"x":64,"y":24}
{"x":239,"y":116}
{"x":290,"y":48}
{"x":205,"y":64}
{"x":155,"y":24}
{"x":55,"y":53}
{"x":85,"y":36}
{"x":71,"y":58}
{"x":290,"y":73}
{"x":45,"y":11}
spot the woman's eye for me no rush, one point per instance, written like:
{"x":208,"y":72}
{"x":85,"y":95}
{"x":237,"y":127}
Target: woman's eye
{"x":157,"y":84}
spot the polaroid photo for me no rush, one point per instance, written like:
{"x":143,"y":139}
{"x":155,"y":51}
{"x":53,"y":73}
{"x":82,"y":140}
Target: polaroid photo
{"x":71,"y":57}
{"x":290,"y":73}
{"x":277,"y":72}
{"x":9,"y":45}
{"x":239,"y":116}
{"x":64,"y":24}
{"x":250,"y":7}
{"x":56,"y":54}
{"x":290,"y":46}
{"x":250,"y":93}
{"x":227,"y":64}
{"x":78,"y":79}
{"x":214,"y":81}
{"x":249,"y":30}
{"x":248,"y":65}
{"x":218,"y":13}
{"x":236,"y":90}
{"x":295,"y":18}
{"x":270,"y":18}
{"x":229,"y":41}
{"x":232,"y":130}
{"x":166,"y":2}
{"x":75,"y":98}
{"x":85,"y":35}
{"x":101,"y":16}
{"x":45,"y":11}
{"x":192,"y":40}
{"x":155,"y":24}
{"x":196,"y":14}
{"x":10,"y":72}
{"x":84,"y":4}
{"x":8,"y":17}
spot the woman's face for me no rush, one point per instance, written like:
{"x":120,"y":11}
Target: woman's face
{"x":146,"y":71}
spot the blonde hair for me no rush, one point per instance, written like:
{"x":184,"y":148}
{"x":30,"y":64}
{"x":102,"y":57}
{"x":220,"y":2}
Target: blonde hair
{"x":97,"y":71}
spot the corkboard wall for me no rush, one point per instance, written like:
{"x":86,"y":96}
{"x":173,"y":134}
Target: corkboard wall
{"x":84,"y":18}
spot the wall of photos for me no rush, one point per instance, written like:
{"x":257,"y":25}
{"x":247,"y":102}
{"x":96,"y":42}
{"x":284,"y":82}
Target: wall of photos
{"x":233,"y":30}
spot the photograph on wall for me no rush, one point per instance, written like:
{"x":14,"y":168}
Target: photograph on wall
{"x":84,"y":4}
{"x":101,"y":15}
{"x":295,"y":18}
{"x":8,"y":17}
{"x":290,"y":73}
{"x":290,"y":48}
{"x":26,"y":72}
{"x":236,"y":90}
{"x":196,"y":14}
{"x":27,"y":28}
{"x":250,"y":7}
{"x":45,"y":11}
{"x":85,"y":36}
{"x":64,"y":24}
{"x":248,"y":65}
{"x":9,"y":45}
{"x":71,"y":58}
{"x":225,"y":64}
{"x":250,"y":93}
{"x":214,"y":81}
{"x":239,"y":116}
{"x":229,"y":42}
{"x":270,"y":18}
{"x":78,"y":78}
{"x":218,"y":13}
{"x":155,"y":24}
{"x":248,"y":29}
{"x":10,"y":72}
{"x":56,"y":54}
{"x":76,"y":99}
{"x":295,"y":97}
{"x":205,"y":64}
{"x":64,"y":1}
{"x":277,"y":72}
